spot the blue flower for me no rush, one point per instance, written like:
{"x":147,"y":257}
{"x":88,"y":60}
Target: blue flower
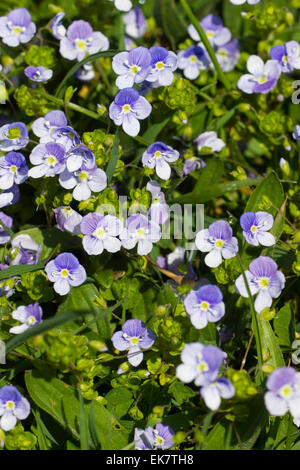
{"x":158,"y":438}
{"x":17,"y":28}
{"x":38,"y":74}
{"x":29,"y":315}
{"x":12,"y":407}
{"x":164,"y":63}
{"x":13,"y":136}
{"x":132,"y":67}
{"x":255,"y":227}
{"x":65,"y":271}
{"x":205,"y":305}
{"x":13,"y":170}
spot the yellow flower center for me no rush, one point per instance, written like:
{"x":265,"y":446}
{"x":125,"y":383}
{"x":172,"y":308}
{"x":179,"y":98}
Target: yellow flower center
{"x":140,"y":232}
{"x":31,"y":320}
{"x":193,"y":59}
{"x":157,"y":154}
{"x":222,"y":52}
{"x":253,"y":229}
{"x":134,"y":69}
{"x":210,"y":34}
{"x":285,"y":391}
{"x":51,"y":160}
{"x":16,"y":30}
{"x":264,"y":282}
{"x":126,"y":108}
{"x":160,"y":441}
{"x":81,"y":45}
{"x":10,"y":405}
{"x":160,"y":65}
{"x":204,"y":305}
{"x":64,"y":272}
{"x":262,"y":80}
{"x":285,"y":59}
{"x":99,"y":232}
{"x":83,"y":176}
{"x":202,"y":367}
{"x":219,"y":243}
{"x":13,"y":168}
{"x":134,"y":340}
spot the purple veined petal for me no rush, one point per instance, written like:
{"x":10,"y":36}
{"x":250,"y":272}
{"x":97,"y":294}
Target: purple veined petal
{"x":125,"y":81}
{"x":214,"y":258}
{"x":216,"y":312}
{"x":220,"y":230}
{"x":247,"y":220}
{"x":247,"y":83}
{"x":135,"y":356}
{"x":263,"y":300}
{"x":50,"y":269}
{"x":74,"y":162}
{"x":240,"y":285}
{"x":98,"y":181}
{"x":147,"y":341}
{"x":277,"y":52}
{"x":67,"y":49}
{"x":280,"y":377}
{"x":78,"y":276}
{"x":38,"y":171}
{"x":193,"y":33}
{"x":230,"y":249}
{"x":61,"y":286}
{"x":211,"y":396}
{"x":142,"y":108}
{"x":222,"y":37}
{"x":16,"y":330}
{"x":272,"y":69}
{"x":119,"y":342}
{"x":163,"y":169}
{"x":255,"y":65}
{"x":199,"y":320}
{"x":202,"y":241}
{"x":263,"y":266}
{"x":154,"y":188}
{"x":131,"y":125}
{"x":82,"y":192}
{"x":276,"y":284}
{"x":6,"y":181}
{"x":90,"y":222}
{"x":214,"y":357}
{"x":22,"y":409}
{"x":265,"y":220}
{"x":118,"y":63}
{"x":112,"y":244}
{"x":8,"y":421}
{"x":67,"y":180}
{"x":144,"y":247}
{"x":225,"y":387}
{"x":165,"y":77}
{"x":92,"y":245}
{"x":266,"y":239}
{"x":100,"y":43}
{"x":186,"y":373}
{"x":20,"y":314}
{"x":275,"y":404}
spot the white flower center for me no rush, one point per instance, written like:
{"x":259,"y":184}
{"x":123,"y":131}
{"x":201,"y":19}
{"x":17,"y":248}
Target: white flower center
{"x":159,"y":65}
{"x":51,"y":160}
{"x":219,"y":243}
{"x":80,"y":44}
{"x":10,"y":405}
{"x":263,"y":282}
{"x":31,"y":320}
{"x":286,"y":391}
{"x":126,"y":108}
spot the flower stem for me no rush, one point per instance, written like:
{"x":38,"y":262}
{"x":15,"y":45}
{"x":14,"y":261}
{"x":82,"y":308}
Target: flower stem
{"x":254,"y":317}
{"x":206,"y":43}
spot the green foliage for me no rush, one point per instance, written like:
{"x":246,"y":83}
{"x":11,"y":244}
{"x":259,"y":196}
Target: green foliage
{"x":41,"y":56}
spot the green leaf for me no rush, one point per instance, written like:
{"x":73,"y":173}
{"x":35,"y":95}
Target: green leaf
{"x":83,"y":299}
{"x":271,"y":350}
{"x":268,"y":196}
{"x":83,"y":425}
{"x":232,"y":17}
{"x":168,"y":17}
{"x":89,"y":59}
{"x":18,"y":269}
{"x":112,"y":164}
{"x":61,"y":402}
{"x":284,"y":325}
{"x":119,"y":401}
{"x":151,"y":134}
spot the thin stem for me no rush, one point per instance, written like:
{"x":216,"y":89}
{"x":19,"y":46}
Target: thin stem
{"x":206,"y":43}
{"x":254,"y":317}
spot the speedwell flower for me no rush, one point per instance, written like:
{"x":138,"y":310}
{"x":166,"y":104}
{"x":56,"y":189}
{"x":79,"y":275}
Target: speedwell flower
{"x":81,"y":41}
{"x":13,"y":170}
{"x":8,"y":221}
{"x":17,"y":28}
{"x":213,"y":26}
{"x":192,"y":60}
{"x":127,"y":109}
{"x":255,"y":227}
{"x":141,"y":231}
{"x":122,"y":5}
{"x":13,"y":136}
{"x":158,"y":211}
{"x":283,"y":392}
{"x":38,"y":74}
{"x":158,"y":438}
{"x":262,"y":78}
{"x":158,"y":156}
{"x":29,"y":315}
{"x":49,"y":160}
{"x":209,"y":140}
{"x":43,"y":126}
{"x":65,"y":271}
{"x":135,"y":23}
{"x":12,"y":407}
{"x":132,"y":67}
{"x":205,"y":305}
{"x":192,"y":164}
{"x":67,"y":219}
{"x":100,"y":233}
{"x":200,"y":363}
{"x":213,"y":392}
{"x":9,"y":196}
{"x":218,"y":241}
{"x":135,"y":338}
{"x":84,"y":181}
{"x":163,"y":63}
{"x":288,"y":56}
{"x":24,"y":250}
{"x":263,"y":279}
{"x":56,"y":26}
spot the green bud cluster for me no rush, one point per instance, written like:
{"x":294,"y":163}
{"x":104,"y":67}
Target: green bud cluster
{"x":100,"y":144}
{"x":18,"y":439}
{"x":268,"y":16}
{"x":180,"y":95}
{"x":41,"y":56}
{"x":244,"y":387}
{"x":274,"y":123}
{"x":31,"y":102}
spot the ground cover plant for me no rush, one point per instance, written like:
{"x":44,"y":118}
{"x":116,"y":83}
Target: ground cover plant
{"x":149,"y":177}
